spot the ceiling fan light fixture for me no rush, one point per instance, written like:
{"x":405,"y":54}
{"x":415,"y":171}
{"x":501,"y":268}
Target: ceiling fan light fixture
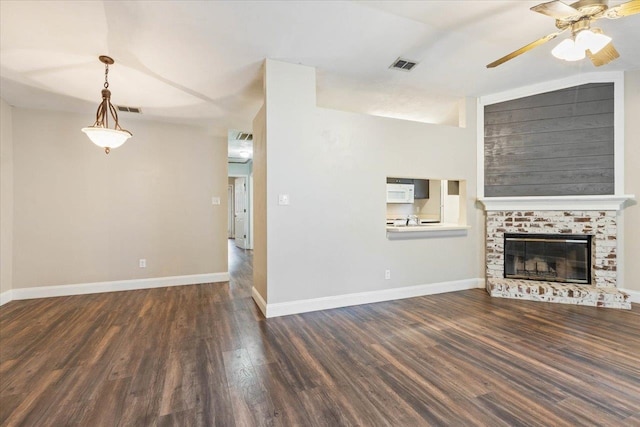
{"x":568,"y":50}
{"x":577,"y":17}
{"x":99,"y":133}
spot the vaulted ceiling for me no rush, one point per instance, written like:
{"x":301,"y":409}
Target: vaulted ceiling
{"x":200,"y":62}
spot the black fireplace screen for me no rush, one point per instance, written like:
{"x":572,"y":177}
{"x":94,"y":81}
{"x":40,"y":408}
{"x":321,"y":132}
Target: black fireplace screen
{"x":548,"y":257}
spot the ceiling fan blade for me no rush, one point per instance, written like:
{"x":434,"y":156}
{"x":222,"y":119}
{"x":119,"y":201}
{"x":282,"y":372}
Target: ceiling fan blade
{"x":604,"y":55}
{"x":625,"y":9}
{"x":525,"y":49}
{"x":556,"y":9}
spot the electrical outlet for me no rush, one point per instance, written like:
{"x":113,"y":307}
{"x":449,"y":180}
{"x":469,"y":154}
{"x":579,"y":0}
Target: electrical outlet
{"x":387,"y":274}
{"x":283,"y":199}
{"x":142,"y":263}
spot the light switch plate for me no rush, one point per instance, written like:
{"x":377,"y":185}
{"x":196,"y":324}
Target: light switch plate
{"x":283,"y":199}
{"x":215,"y":200}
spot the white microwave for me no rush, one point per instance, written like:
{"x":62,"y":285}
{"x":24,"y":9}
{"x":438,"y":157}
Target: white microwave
{"x":400,"y":193}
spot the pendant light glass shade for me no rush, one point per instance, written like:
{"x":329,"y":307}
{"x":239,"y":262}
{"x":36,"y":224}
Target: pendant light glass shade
{"x":568,"y":51}
{"x":99,"y":133}
{"x":106,"y":138}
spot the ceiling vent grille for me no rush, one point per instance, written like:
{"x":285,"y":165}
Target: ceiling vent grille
{"x":243,"y":136}
{"x":124,"y":108}
{"x":403,"y":64}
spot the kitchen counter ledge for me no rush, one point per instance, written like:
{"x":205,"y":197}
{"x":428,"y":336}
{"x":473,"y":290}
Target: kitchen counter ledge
{"x":426,"y":231}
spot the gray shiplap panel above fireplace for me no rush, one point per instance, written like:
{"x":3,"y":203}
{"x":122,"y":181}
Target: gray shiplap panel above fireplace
{"x":551,"y":144}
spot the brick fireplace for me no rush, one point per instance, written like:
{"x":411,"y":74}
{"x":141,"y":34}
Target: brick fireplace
{"x":601,"y":225}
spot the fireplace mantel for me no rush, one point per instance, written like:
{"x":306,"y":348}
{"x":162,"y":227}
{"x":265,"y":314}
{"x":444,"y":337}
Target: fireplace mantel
{"x":556,"y":203}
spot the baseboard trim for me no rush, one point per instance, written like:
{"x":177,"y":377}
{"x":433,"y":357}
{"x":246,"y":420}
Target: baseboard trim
{"x":634,"y":295}
{"x":339,"y":301}
{"x":5,"y":297}
{"x":260,"y":302}
{"x":114,"y":286}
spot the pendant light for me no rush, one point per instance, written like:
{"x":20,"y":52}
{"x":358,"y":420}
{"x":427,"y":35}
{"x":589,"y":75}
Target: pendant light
{"x":99,"y":133}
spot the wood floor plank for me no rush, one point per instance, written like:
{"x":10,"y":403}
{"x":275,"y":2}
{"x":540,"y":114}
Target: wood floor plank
{"x":203,"y":355}
{"x":213,"y":392}
{"x":31,"y":410}
{"x":8,"y":405}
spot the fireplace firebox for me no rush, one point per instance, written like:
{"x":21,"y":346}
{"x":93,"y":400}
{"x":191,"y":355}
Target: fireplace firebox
{"x":548,"y":257}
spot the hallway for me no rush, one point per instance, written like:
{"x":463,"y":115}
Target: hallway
{"x":240,"y":267}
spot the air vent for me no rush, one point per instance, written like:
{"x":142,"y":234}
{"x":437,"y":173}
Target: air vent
{"x":136,"y":110}
{"x":403,"y":64}
{"x":242,"y":136}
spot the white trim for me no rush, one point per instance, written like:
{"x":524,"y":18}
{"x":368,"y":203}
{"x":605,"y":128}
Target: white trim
{"x":480,"y":148}
{"x":556,"y":203}
{"x":618,"y":134}
{"x":620,"y":249}
{"x":338,"y":301}
{"x":116,"y":286}
{"x":549,"y":86}
{"x":635,"y":295}
{"x":262,"y":304}
{"x":6,"y":297}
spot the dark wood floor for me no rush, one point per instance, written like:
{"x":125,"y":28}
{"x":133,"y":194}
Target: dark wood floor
{"x":203,"y":355}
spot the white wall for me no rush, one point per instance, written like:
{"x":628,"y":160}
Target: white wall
{"x":631,"y":215}
{"x":240,"y":169}
{"x":82,"y":216}
{"x":6,"y":197}
{"x":331,"y":240}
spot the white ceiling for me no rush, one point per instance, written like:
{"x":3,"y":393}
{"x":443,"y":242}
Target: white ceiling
{"x":200,"y":61}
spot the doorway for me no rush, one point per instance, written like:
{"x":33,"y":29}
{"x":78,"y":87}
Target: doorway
{"x":240,"y":189}
{"x":240,"y":214}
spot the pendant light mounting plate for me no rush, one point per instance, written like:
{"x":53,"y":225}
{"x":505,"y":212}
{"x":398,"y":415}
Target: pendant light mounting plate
{"x":106,"y":59}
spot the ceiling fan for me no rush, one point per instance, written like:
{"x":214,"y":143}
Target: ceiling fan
{"x":585,"y":40}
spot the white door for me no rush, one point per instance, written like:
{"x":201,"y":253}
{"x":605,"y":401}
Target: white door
{"x":240,"y":215}
{"x":231,"y":214}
